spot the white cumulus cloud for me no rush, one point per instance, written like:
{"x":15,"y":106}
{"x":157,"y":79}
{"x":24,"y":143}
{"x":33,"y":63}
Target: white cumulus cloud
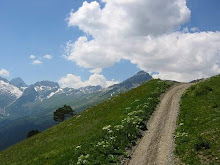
{"x":97,"y":70}
{"x":36,"y":62}
{"x":73,"y":81}
{"x":32,"y":56}
{"x":48,"y":56}
{"x":146,"y":33}
{"x":4,"y":72}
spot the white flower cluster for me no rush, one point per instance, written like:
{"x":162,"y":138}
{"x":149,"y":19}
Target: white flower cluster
{"x":77,"y":148}
{"x":179,"y":134}
{"x":118,"y":127}
{"x":114,"y":140}
{"x":136,"y":113}
{"x":83,"y":159}
{"x":128,"y":108}
{"x":104,"y":144}
{"x":107,"y":129}
{"x":135,"y":120}
{"x":181,"y":124}
{"x":149,"y":98}
{"x":116,"y":135}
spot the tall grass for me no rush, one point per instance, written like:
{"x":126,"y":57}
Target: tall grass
{"x":99,"y":135}
{"x":198,"y":132}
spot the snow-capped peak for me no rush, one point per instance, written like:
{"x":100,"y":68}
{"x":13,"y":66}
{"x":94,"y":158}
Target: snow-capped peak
{"x":46,"y":89}
{"x":7,"y":88}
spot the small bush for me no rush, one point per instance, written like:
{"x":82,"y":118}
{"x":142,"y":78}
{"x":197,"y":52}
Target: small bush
{"x":32,"y":133}
{"x":202,"y":144}
{"x":192,"y":88}
{"x":61,"y":113}
{"x":215,"y":105}
{"x":202,"y":90}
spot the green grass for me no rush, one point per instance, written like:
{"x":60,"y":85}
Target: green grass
{"x":198,"y":132}
{"x":58,"y":145}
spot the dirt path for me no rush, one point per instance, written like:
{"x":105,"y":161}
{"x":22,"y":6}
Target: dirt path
{"x":156,"y":146}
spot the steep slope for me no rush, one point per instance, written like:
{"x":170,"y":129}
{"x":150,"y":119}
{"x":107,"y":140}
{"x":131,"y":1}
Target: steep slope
{"x":198,"y":132}
{"x":39,"y":115}
{"x":45,"y":89}
{"x":34,"y":109}
{"x":132,"y":82}
{"x":19,"y":83}
{"x":8,"y":93}
{"x":48,"y":95}
{"x":45,"y":96}
{"x":33,"y":94}
{"x":74,"y":140}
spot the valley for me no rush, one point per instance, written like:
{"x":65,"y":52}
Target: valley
{"x":109,"y":82}
{"x":34,"y":108}
{"x":117,"y":127}
{"x":87,"y":129}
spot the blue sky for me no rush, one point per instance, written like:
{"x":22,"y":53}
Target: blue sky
{"x":30,"y":27}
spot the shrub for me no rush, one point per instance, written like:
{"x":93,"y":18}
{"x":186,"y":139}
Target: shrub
{"x":61,"y":113}
{"x":201,"y":144}
{"x":32,"y":133}
{"x":215,"y":105}
{"x":116,"y":139}
{"x":202,"y":90}
{"x":192,"y":88}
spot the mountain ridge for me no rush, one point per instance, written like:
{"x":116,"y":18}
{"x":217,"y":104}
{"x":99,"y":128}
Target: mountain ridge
{"x":18,"y":82}
{"x":8,"y":93}
{"x":85,"y":130}
{"x":36,"y":114}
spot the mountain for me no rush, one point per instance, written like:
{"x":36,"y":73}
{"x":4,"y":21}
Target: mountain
{"x":34,"y":109}
{"x":45,"y":95}
{"x":4,"y":79}
{"x":19,"y":83}
{"x":70,"y":141}
{"x":132,"y":82}
{"x":90,"y":89}
{"x":136,"y":80}
{"x":45,"y":89}
{"x":20,"y":106}
{"x":33,"y":94}
{"x":8,"y":93}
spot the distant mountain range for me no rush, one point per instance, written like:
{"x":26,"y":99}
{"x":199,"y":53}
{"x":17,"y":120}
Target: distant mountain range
{"x":31,"y":107}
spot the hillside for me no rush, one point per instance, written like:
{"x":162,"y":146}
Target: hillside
{"x":156,"y":146}
{"x":34,"y":109}
{"x":198,"y":133}
{"x":93,"y":134}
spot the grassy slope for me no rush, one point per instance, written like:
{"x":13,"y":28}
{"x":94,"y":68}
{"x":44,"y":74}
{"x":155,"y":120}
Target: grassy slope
{"x":57,"y":145}
{"x":43,"y":116}
{"x":198,"y":132}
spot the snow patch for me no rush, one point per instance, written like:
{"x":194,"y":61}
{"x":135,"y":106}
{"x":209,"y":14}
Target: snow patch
{"x":60,"y":90}
{"x":10,"y":89}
